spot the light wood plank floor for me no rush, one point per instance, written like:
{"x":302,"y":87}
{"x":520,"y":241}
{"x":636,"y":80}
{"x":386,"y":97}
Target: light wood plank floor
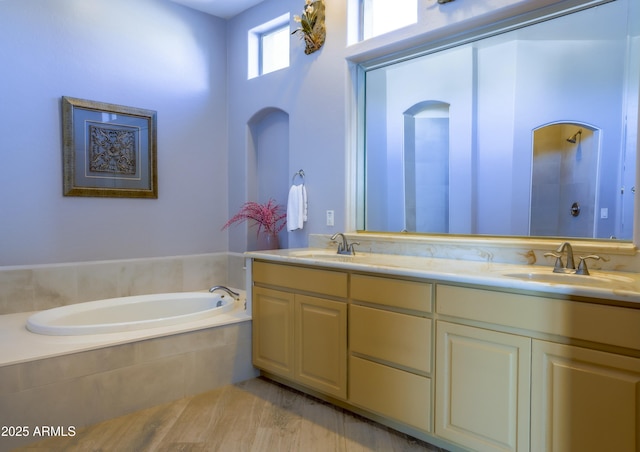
{"x":255,"y":415}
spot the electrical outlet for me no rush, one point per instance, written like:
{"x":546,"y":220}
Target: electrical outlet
{"x":330,"y":218}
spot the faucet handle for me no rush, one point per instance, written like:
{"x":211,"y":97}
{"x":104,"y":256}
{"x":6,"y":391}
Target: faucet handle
{"x":351,"y":249}
{"x":582,"y":266}
{"x":559,"y":264}
{"x":558,"y":267}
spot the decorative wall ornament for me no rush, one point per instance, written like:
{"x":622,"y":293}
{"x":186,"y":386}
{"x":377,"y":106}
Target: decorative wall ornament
{"x":312,"y":29}
{"x":108,"y":150}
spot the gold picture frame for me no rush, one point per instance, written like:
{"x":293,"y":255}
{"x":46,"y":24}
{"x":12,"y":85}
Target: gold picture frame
{"x":108,"y":150}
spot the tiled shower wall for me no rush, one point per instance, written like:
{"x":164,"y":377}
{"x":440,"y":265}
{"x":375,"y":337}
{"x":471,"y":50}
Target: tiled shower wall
{"x":33,"y":288}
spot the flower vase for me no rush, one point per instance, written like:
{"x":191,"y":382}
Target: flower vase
{"x":268,"y":241}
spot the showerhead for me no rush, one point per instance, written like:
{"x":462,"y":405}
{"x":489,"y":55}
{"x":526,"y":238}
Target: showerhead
{"x":573,"y":138}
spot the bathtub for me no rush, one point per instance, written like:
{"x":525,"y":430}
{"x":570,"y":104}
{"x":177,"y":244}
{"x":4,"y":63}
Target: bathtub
{"x":117,"y":315}
{"x":186,"y":345}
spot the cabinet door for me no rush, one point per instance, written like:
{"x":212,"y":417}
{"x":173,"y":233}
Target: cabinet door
{"x":321,"y":344}
{"x":482,"y":388}
{"x":273,"y":331}
{"x":584,"y":400}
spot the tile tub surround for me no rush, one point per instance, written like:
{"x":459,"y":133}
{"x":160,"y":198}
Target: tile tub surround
{"x":39,"y":287}
{"x":86,"y":387}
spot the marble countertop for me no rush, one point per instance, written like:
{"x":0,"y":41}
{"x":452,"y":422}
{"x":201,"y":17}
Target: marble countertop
{"x":618,"y":286}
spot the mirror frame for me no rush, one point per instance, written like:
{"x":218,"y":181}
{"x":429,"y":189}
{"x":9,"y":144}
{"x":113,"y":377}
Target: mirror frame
{"x":396,"y":47}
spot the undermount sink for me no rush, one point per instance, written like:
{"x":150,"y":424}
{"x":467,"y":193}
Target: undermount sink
{"x":547,"y":276}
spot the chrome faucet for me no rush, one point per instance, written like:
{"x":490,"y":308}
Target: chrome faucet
{"x":570,"y":264}
{"x":226,"y":289}
{"x":345,"y":247}
{"x":559,"y":267}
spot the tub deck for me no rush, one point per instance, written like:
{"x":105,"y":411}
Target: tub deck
{"x":24,"y":346}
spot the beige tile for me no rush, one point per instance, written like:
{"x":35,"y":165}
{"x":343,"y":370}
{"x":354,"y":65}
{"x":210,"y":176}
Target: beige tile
{"x":16,"y":291}
{"x":235,"y":421}
{"x":161,"y":347}
{"x":55,"y":285}
{"x":238,"y":333}
{"x":60,"y":368}
{"x":64,"y":404}
{"x":321,"y":424}
{"x":134,"y":278}
{"x":132,"y":388}
{"x":142,"y":431}
{"x":97,"y":281}
{"x":10,"y":379}
{"x":212,"y":368}
{"x":253,"y":415}
{"x":140,"y":277}
{"x":203,"y":271}
{"x":167,"y":275}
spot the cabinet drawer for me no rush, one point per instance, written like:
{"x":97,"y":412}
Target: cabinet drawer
{"x":581,"y":320}
{"x":392,"y":292}
{"x":393,"y":393}
{"x":389,"y":336}
{"x":324,"y":282}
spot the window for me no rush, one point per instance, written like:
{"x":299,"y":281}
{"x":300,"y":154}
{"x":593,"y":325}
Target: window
{"x":269,"y":47}
{"x":274,"y":46}
{"x":383,"y":16}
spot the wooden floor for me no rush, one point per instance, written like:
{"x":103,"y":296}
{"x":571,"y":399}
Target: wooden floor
{"x":255,"y":415}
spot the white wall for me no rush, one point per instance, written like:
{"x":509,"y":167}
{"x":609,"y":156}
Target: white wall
{"x":184,"y":64}
{"x":149,"y":54}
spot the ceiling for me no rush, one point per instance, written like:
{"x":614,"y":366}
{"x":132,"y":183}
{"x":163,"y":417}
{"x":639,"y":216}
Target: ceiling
{"x":220,"y":8}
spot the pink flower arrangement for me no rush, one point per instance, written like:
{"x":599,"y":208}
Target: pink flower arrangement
{"x":270,"y":217}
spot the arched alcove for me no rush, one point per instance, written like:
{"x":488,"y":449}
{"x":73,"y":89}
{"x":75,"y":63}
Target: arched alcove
{"x":268,"y":163}
{"x":426,"y":167}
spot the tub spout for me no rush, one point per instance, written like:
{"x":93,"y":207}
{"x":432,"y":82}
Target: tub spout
{"x":226,"y":289}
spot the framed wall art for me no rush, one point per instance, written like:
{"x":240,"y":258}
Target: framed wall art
{"x":108,"y":150}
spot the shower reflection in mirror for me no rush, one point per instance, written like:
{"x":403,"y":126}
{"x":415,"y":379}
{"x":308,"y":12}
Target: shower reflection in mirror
{"x":564,"y":173}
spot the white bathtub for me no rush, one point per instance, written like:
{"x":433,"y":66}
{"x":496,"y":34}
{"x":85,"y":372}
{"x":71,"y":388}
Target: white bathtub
{"x":130,"y":313}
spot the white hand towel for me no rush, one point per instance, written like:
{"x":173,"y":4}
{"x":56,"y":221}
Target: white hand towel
{"x":295,"y":208}
{"x":304,"y":203}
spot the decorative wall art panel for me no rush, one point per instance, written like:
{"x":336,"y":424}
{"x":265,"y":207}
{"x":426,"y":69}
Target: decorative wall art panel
{"x":108,"y":150}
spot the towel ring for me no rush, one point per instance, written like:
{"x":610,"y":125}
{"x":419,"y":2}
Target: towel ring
{"x":299,"y":173}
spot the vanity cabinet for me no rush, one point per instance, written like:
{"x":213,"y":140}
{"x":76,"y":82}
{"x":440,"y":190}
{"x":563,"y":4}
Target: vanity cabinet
{"x":482,"y":377}
{"x":300,"y":325}
{"x":472,"y":367}
{"x":584,"y":377}
{"x":584,"y":400}
{"x":390,"y":342}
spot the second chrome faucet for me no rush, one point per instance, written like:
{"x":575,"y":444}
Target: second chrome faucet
{"x":345,"y":247}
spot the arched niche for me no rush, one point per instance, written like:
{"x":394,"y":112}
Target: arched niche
{"x":268,"y":162}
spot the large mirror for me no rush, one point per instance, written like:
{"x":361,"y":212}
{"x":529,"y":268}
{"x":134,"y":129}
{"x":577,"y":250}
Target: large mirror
{"x":530,"y":132}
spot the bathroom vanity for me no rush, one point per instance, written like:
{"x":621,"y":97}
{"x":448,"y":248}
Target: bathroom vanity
{"x":465,"y":355}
